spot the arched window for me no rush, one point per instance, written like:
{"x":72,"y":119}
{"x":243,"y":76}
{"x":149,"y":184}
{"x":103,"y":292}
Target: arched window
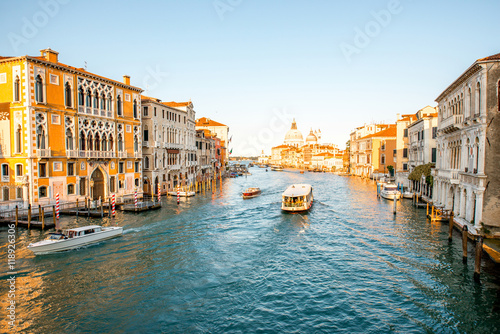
{"x":96,"y":100}
{"x":469,"y":111}
{"x":118,"y":105}
{"x":135,"y":109}
{"x":97,"y":142}
{"x":109,"y":101}
{"x":69,"y":140}
{"x":17,"y":89}
{"x":478,"y":98}
{"x":18,"y":139}
{"x":67,"y":95}
{"x":110,"y":143}
{"x":103,"y":101}
{"x":39,"y":89}
{"x":40,"y":137}
{"x":120,"y":143}
{"x":82,"y":141}
{"x":146,"y":163}
{"x":90,"y":140}
{"x":88,"y":101}
{"x":476,"y":162}
{"x":104,"y":143}
{"x":156,"y":161}
{"x":163,"y":160}
{"x":136,"y":144}
{"x":80,"y":96}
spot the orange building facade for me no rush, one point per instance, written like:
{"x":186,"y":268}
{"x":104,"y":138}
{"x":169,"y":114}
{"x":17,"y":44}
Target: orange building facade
{"x":66,"y":131}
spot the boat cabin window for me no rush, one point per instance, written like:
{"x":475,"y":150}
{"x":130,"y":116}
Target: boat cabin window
{"x":89,"y":231}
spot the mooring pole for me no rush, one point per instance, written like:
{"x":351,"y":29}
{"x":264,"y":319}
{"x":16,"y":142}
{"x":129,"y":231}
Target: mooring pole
{"x":450,"y":223}
{"x":394,"y":209}
{"x":17,"y":215}
{"x":464,"y":243}
{"x":29,"y":215}
{"x":479,"y":252}
{"x":43,"y":218}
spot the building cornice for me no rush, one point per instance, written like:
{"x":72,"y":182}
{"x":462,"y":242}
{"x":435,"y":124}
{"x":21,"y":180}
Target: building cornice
{"x":473,"y":69}
{"x":76,"y":71}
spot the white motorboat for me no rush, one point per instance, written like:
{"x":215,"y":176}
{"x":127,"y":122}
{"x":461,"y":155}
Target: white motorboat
{"x":390,"y":191}
{"x":407,"y":194}
{"x":277,"y":168}
{"x":251,"y":193}
{"x":182,"y":193}
{"x":74,"y":238}
{"x":297,"y":197}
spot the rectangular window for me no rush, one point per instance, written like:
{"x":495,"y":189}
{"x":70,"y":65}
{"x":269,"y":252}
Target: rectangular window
{"x":5,"y":173}
{"x":42,"y":169}
{"x":382,"y":159}
{"x":405,"y":133}
{"x":120,"y":167}
{"x":129,"y":165}
{"x":434,"y":132}
{"x":405,"y":153}
{"x":42,"y":192}
{"x":19,"y":193}
{"x":83,"y":186}
{"x":146,"y":135}
{"x":145,"y":113}
{"x":71,"y":189}
{"x":136,"y":167}
{"x":434,"y":154}
{"x":405,"y":167}
{"x":127,"y":97}
{"x":128,"y":128}
{"x":71,"y":169}
{"x":112,"y":184}
{"x":154,"y":111}
{"x":19,"y":170}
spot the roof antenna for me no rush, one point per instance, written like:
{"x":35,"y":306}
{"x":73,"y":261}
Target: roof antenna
{"x":85,"y":65}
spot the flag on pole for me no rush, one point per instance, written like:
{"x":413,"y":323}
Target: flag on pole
{"x":231,"y":151}
{"x":230,"y":139}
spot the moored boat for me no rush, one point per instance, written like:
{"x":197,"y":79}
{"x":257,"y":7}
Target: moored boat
{"x":297,"y":197}
{"x":390,"y":191}
{"x":251,"y":193}
{"x":277,"y":168}
{"x":74,"y":238}
{"x":182,"y":193}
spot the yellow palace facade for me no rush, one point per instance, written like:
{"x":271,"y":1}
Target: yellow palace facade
{"x":66,"y":131}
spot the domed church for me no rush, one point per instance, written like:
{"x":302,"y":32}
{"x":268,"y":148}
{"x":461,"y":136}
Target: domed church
{"x":294,"y":137}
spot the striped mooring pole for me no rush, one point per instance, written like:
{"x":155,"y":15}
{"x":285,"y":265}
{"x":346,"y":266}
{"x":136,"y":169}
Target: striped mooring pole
{"x":135,"y":199}
{"x":159,"y":193}
{"x":57,"y":206}
{"x":113,"y":206}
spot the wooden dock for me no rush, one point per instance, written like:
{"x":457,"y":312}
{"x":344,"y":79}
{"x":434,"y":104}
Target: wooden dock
{"x":141,"y":206}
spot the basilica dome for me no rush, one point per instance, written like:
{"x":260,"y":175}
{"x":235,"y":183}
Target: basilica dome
{"x":294,"y":137}
{"x":311,"y":138}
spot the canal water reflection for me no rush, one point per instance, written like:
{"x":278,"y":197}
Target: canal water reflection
{"x":218,"y":263}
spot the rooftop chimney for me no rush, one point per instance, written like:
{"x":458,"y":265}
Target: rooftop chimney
{"x":49,"y":55}
{"x":126,"y":79}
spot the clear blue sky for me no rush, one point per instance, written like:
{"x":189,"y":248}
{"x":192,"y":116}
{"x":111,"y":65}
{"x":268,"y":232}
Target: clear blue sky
{"x":255,"y":64}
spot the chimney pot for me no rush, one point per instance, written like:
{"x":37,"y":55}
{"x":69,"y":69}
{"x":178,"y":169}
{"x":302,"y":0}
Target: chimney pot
{"x":126,"y":79}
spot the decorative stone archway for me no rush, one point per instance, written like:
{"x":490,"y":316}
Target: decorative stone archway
{"x":98,"y":184}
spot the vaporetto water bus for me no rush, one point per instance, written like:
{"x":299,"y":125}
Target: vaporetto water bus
{"x":297,"y":198}
{"x":74,"y":238}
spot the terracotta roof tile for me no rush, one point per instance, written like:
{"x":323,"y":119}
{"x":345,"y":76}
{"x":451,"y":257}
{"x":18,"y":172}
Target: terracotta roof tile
{"x":493,"y":57}
{"x":207,"y":122}
{"x":176,"y":104}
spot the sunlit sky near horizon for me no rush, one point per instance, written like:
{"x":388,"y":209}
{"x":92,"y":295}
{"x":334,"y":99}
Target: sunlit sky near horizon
{"x":256,"y":64}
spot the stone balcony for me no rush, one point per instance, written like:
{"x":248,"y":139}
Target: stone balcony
{"x":451,"y":124}
{"x":450,"y":174}
{"x":43,"y":153}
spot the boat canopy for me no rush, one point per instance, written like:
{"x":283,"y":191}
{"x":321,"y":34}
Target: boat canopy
{"x":296,"y":190}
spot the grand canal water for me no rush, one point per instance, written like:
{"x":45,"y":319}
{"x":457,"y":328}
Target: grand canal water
{"x":217,"y":263}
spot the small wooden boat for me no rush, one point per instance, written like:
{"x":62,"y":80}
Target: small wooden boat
{"x":297,"y":197}
{"x":182,"y":193}
{"x":74,"y":238}
{"x":251,"y":193}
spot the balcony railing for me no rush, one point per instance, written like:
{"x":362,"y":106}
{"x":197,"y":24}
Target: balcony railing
{"x":145,"y":143}
{"x":452,"y":123}
{"x":121,"y":155}
{"x":138,"y":155}
{"x":157,"y":143}
{"x":72,"y":153}
{"x":175,"y":167}
{"x":43,"y":153}
{"x":450,"y":174}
